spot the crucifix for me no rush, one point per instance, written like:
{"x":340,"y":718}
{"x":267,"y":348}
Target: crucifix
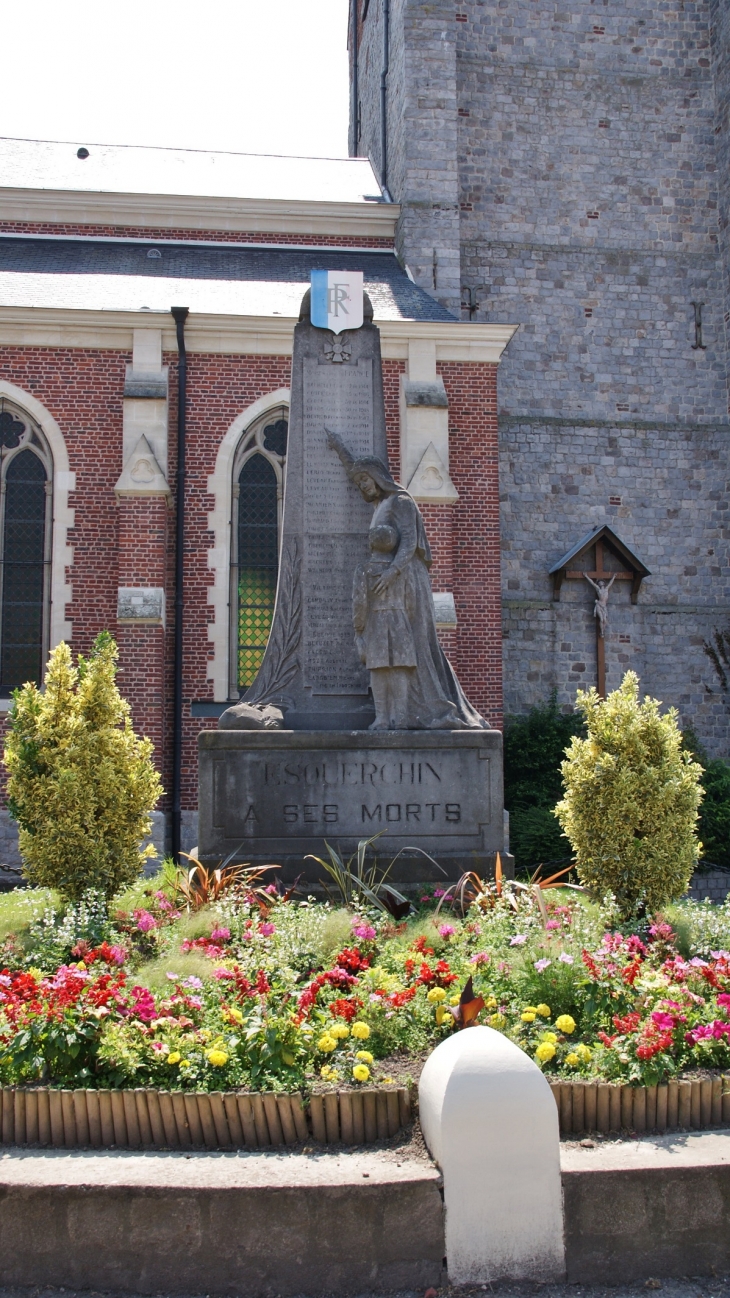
{"x":601,"y":579}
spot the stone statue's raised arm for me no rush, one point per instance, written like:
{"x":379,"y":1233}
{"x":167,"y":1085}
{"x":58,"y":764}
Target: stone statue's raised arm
{"x":335,"y":442}
{"x":590,"y":579}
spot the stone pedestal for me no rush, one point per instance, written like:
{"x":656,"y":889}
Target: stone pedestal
{"x":274,"y":796}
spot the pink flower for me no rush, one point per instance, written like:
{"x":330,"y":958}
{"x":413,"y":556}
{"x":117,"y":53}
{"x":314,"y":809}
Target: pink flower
{"x":446,"y":930}
{"x":220,"y":935}
{"x":553,"y":923}
{"x":145,"y":921}
{"x":363,"y":930}
{"x":439,"y":892}
{"x":222,"y":974}
{"x":540,"y":965}
{"x":663,"y":1021}
{"x":564,"y":958}
{"x":519,"y":939}
{"x":266,"y":930}
{"x":481,"y":957}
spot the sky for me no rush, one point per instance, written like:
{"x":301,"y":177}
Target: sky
{"x":249,"y":76}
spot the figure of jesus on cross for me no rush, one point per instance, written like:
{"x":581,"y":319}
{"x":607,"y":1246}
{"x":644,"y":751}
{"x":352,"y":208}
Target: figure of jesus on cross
{"x":600,"y":607}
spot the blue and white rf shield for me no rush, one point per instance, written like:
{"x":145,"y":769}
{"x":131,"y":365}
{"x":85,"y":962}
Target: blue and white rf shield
{"x":336,"y":299}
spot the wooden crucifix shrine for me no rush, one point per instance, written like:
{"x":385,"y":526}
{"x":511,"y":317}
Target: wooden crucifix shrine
{"x":601,"y":578}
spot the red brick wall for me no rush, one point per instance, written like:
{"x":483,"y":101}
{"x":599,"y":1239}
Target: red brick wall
{"x":474,"y":470}
{"x":207,"y":236}
{"x":132,"y":543}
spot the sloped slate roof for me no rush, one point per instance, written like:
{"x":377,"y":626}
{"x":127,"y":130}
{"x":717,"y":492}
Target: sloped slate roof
{"x":98,"y":275}
{"x":131,"y":169}
{"x":602,"y":532}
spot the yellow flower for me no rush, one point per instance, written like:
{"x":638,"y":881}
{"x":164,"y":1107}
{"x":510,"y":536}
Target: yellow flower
{"x":327,"y":1043}
{"x":388,"y":1081}
{"x":360,"y":1073}
{"x":184,"y":1063}
{"x":498,"y":1021}
{"x":173,"y":1057}
{"x":565,"y":1023}
{"x":236,"y":1015}
{"x":35,"y":972}
{"x":217,"y":1057}
{"x":544,"y":1011}
{"x":364,"y":1056}
{"x":454,"y":1000}
{"x":573,"y":1059}
{"x":491,"y":1002}
{"x":360,"y":1030}
{"x":81,"y":965}
{"x":545,"y":1051}
{"x":339,"y":1031}
{"x":441,"y":1014}
{"x":584,"y":1053}
{"x":528,"y":1016}
{"x":531,"y":1009}
{"x":435,"y":995}
{"x":328,"y":1074}
{"x":549,"y":1036}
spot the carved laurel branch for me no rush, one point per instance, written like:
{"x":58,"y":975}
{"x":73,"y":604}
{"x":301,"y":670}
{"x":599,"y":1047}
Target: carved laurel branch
{"x":281,"y":660}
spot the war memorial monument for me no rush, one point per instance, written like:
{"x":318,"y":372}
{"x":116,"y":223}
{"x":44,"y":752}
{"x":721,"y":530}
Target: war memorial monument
{"x":356,"y":722}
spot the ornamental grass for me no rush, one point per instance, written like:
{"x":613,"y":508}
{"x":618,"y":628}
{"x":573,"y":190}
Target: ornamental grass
{"x":263,"y":992}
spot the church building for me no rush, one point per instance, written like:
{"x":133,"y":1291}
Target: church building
{"x":566,"y":167}
{"x":116,"y":264}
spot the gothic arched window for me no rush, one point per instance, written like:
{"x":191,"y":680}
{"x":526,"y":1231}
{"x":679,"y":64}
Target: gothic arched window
{"x":26,"y":478}
{"x":258,"y":491}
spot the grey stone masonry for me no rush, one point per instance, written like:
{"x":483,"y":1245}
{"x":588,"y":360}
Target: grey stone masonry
{"x":712,"y":885}
{"x":422,"y":162}
{"x":593,"y":157}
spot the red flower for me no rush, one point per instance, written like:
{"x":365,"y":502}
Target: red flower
{"x":346,"y":1009}
{"x":628,"y":1024}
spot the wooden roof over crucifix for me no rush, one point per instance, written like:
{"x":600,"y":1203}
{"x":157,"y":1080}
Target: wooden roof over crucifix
{"x":600,"y":537}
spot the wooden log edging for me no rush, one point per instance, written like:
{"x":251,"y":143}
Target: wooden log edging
{"x":149,"y":1119}
{"x":603,"y":1107}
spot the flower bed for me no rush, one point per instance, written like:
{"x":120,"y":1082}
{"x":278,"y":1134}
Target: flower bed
{"x":258,"y":993}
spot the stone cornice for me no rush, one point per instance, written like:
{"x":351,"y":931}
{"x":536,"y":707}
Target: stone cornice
{"x":237,"y":335}
{"x":181,"y":212}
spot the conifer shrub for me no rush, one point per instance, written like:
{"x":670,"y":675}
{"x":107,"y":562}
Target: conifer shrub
{"x":81,"y":783}
{"x":534,"y":746}
{"x":632,"y":794}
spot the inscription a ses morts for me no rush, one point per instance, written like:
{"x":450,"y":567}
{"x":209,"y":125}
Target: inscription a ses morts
{"x":357,"y":794}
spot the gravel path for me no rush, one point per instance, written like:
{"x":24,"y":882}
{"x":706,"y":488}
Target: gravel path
{"x":688,"y":1287}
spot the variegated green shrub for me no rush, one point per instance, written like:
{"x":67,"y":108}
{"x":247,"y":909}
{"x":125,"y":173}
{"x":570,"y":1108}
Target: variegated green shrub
{"x":631,"y":800}
{"x":81,"y":783}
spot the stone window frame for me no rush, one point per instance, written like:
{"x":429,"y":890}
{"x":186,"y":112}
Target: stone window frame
{"x":220,"y":523}
{"x":250,"y":444}
{"x":63,"y":481}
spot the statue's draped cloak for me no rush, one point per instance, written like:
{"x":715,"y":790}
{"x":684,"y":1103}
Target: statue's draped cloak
{"x":435,"y":698}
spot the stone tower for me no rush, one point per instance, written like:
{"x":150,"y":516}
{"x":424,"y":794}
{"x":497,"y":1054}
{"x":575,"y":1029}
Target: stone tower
{"x":567,"y":165}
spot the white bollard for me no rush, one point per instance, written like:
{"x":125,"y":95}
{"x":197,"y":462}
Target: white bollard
{"x":490,"y":1121}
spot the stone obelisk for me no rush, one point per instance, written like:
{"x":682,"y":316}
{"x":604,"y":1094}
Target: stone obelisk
{"x":310,"y":669}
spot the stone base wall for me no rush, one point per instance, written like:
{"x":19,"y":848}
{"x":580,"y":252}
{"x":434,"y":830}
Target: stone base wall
{"x":714,"y":885}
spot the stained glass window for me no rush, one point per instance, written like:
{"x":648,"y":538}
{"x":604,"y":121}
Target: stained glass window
{"x":23,"y":566}
{"x":258,"y":490}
